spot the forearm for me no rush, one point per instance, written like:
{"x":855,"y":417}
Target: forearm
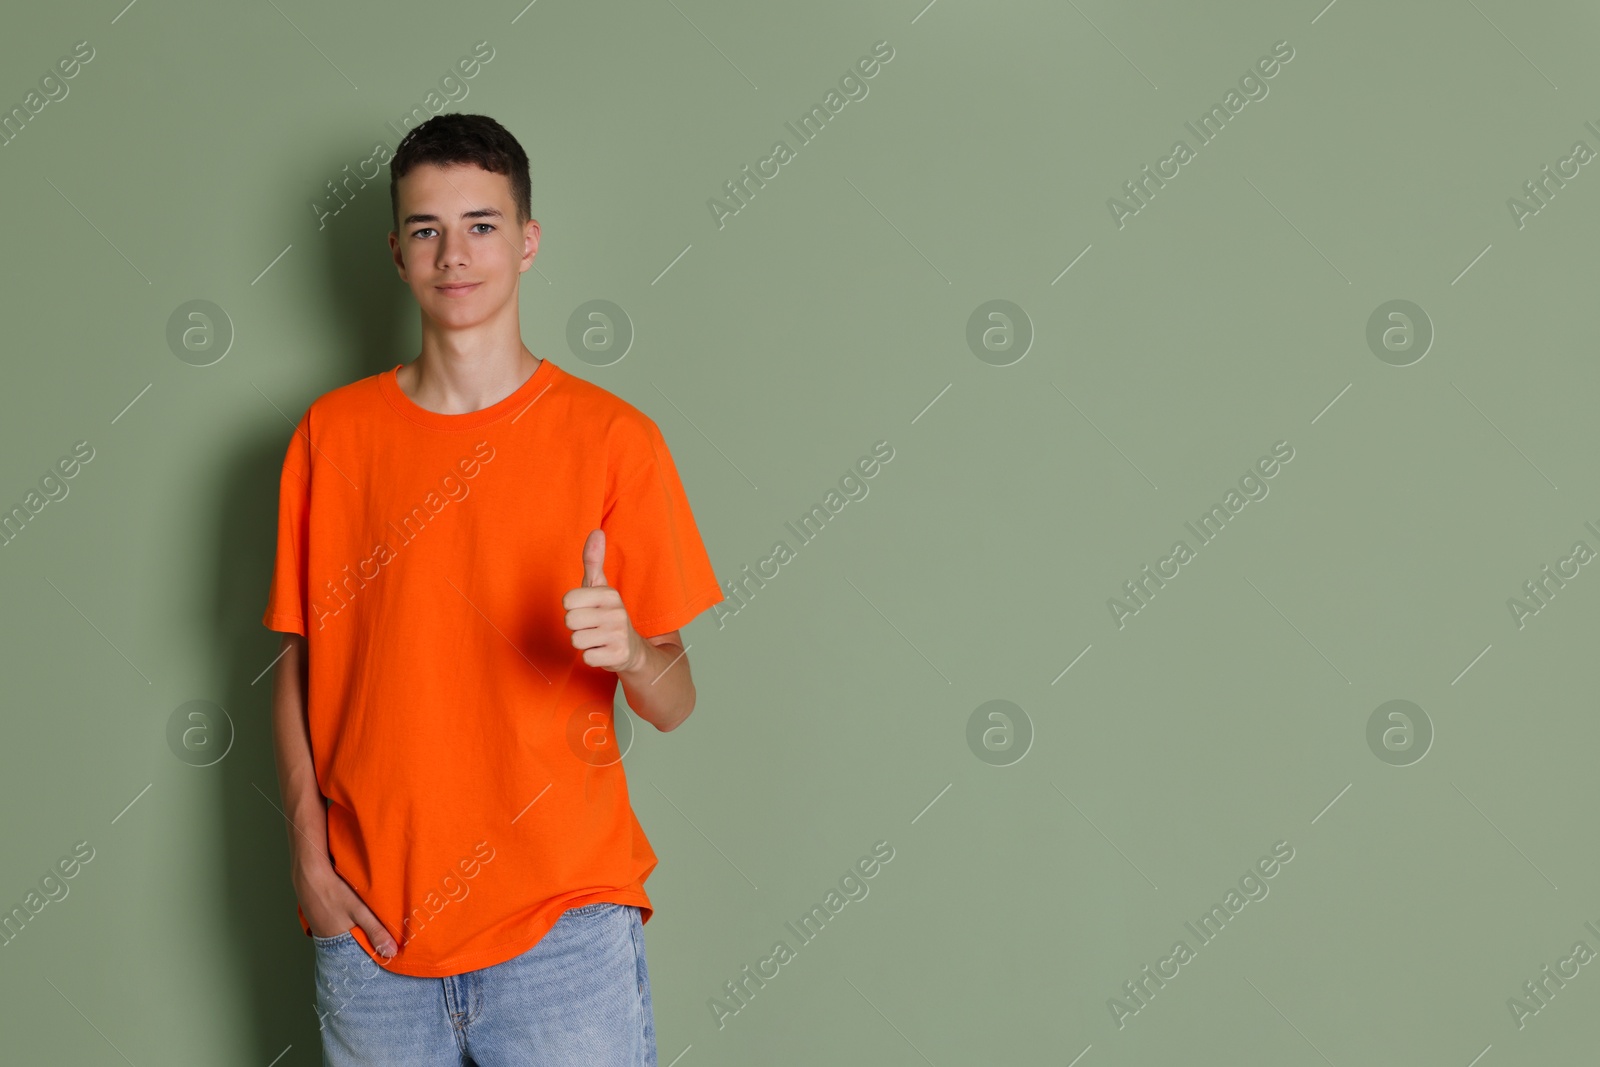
{"x":297,"y":774}
{"x":660,"y":690}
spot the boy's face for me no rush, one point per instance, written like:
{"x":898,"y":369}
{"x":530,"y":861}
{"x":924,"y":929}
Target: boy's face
{"x":459,"y":247}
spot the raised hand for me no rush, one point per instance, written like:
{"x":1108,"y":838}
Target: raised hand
{"x":597,"y":618}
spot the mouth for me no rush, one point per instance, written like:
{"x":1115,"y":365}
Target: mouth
{"x":458,"y":288}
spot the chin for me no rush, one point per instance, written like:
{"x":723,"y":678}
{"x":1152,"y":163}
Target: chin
{"x":458,"y":318}
{"x":444,"y":307}
{"x":463,"y":311}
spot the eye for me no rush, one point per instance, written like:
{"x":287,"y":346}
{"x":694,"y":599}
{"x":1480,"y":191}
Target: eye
{"x":419,"y":233}
{"x":488,"y":224}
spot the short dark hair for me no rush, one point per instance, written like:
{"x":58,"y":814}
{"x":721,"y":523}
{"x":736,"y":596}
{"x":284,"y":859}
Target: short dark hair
{"x":455,"y":138}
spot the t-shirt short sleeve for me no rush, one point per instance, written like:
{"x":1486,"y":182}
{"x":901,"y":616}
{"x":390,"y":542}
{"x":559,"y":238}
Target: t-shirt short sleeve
{"x":654,"y":555}
{"x":286,"y":596}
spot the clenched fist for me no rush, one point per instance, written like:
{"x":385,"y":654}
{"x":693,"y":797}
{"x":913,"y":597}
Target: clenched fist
{"x":596,"y":617}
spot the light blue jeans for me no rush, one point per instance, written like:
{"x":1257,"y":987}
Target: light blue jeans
{"x":579,"y":998}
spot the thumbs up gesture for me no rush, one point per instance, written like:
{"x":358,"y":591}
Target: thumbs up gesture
{"x":597,"y":618}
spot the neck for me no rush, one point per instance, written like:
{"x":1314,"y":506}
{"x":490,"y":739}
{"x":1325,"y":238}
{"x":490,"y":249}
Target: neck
{"x":454,"y":382}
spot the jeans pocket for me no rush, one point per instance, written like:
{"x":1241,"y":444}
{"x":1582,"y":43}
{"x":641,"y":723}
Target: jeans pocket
{"x":334,"y":941}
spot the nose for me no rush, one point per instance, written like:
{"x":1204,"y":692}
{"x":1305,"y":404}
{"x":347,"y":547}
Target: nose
{"x":452,"y":249}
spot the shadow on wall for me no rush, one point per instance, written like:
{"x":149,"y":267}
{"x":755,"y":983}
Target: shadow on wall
{"x":343,"y":279}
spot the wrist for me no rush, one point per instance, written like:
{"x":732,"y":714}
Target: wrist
{"x":641,"y":657}
{"x":308,"y":866}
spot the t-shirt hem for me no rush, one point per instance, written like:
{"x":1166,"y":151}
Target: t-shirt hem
{"x":510,"y":950}
{"x":286,"y":623}
{"x":676,"y":620}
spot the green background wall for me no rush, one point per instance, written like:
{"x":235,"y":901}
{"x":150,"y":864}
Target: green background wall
{"x":1041,"y":866}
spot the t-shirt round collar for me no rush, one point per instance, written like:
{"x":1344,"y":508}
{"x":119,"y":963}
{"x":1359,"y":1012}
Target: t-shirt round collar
{"x":389,"y":386}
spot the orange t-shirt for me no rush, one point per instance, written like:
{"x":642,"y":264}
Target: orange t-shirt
{"x":475,"y":789}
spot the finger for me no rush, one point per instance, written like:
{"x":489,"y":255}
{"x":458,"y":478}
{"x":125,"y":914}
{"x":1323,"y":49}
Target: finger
{"x":594,"y":558}
{"x":588,"y":638}
{"x":580,"y":618}
{"x":377,"y":935}
{"x":598,"y":596}
{"x":603,"y":656}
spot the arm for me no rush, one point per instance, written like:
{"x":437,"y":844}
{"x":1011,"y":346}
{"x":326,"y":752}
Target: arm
{"x":654,"y":670}
{"x":660,"y":689}
{"x":329,"y":904}
{"x":297,"y":776}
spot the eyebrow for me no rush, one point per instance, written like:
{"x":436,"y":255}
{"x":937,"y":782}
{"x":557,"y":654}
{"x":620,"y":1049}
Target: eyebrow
{"x":477,"y":213}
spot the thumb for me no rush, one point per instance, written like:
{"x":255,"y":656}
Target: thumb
{"x":594,"y":558}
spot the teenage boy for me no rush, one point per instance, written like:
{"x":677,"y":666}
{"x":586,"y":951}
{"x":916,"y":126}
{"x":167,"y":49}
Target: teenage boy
{"x":473,"y":549}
